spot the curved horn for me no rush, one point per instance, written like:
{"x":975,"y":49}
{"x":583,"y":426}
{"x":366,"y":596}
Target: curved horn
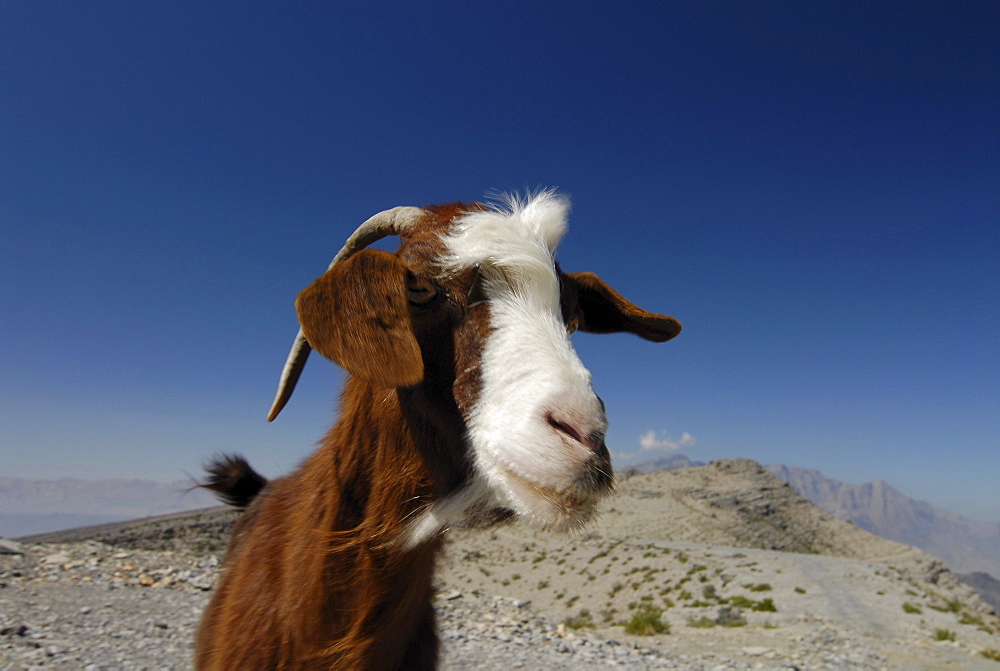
{"x":388,"y":222}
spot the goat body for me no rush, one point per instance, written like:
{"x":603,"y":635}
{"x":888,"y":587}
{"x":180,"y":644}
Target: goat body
{"x":465,"y":403}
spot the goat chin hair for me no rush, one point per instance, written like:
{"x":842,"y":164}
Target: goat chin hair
{"x":233,"y":480}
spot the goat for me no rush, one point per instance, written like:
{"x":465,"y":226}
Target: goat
{"x":465,"y":404}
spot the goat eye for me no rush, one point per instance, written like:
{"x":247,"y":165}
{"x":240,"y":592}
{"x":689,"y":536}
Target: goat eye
{"x":420,"y":291}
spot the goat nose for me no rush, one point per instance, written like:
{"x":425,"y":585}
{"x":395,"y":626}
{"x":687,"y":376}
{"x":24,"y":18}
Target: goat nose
{"x":579,"y":430}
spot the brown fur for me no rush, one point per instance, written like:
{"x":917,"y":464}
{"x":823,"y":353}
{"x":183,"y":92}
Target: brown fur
{"x":233,"y":480}
{"x":314,"y":576}
{"x":313,"y":579}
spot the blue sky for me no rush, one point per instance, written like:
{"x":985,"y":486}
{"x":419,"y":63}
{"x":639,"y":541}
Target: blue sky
{"x":811,"y":188}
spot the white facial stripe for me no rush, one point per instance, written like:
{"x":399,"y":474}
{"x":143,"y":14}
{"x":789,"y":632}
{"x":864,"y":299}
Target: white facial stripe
{"x":529,"y":368}
{"x":530,"y":371}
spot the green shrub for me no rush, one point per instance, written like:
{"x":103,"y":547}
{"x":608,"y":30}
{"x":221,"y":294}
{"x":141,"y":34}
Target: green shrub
{"x":764,"y":606}
{"x":944,"y":635}
{"x":949,"y":607}
{"x":646,"y":623}
{"x":729,"y":617}
{"x":702,"y":622}
{"x":912,"y":608}
{"x":581,"y":620}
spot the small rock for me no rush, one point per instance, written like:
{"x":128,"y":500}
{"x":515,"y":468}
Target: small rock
{"x":755,"y":650}
{"x":57,"y":558}
{"x":20,"y":630}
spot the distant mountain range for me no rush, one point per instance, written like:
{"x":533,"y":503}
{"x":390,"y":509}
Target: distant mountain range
{"x":38,"y":506}
{"x":965,"y":545}
{"x":668,"y":463}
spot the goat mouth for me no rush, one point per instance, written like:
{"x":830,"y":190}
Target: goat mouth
{"x":575,"y":503}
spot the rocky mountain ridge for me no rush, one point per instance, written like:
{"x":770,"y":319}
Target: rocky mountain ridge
{"x":965,"y":545}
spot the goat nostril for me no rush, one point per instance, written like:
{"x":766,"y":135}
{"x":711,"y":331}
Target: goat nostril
{"x":594,"y":440}
{"x":563,"y":427}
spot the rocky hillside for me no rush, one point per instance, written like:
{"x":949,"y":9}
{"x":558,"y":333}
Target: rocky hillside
{"x":737,"y":503}
{"x":965,"y":545}
{"x":200,"y":531}
{"x":732,"y":559}
{"x":715,"y":567}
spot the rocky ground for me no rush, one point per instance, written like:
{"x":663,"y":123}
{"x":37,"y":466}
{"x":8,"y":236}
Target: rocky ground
{"x":627,"y":593}
{"x":723,"y":606}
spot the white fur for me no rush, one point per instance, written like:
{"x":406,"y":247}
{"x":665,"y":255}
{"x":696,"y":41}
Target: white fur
{"x":444,"y":513}
{"x":529,"y":367}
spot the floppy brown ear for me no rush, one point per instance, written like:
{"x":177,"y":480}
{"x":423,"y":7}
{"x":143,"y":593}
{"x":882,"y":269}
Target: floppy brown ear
{"x":601,"y":309}
{"x":357,"y":315}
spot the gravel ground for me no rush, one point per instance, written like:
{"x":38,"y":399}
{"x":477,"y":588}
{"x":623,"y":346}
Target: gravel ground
{"x":93,"y":606}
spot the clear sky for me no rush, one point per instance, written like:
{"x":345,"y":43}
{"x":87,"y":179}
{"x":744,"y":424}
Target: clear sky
{"x":812,"y":188}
